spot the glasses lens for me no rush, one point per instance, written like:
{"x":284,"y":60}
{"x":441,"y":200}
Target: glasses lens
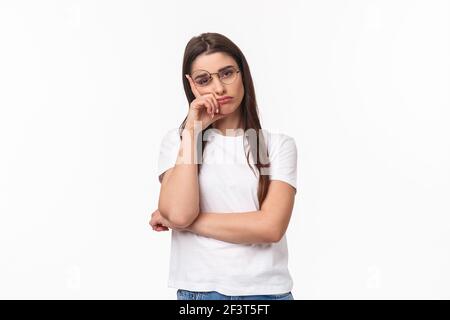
{"x":228,"y":75}
{"x":201,"y":78}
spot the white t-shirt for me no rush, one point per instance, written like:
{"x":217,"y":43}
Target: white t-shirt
{"x":227,"y":185}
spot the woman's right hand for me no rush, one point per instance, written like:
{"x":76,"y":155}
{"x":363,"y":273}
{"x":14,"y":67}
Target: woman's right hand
{"x":204,"y":108}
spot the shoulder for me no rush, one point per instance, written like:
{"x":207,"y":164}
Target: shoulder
{"x":171,"y":136}
{"x":282,"y":151}
{"x":279,"y":142}
{"x":168,"y":151}
{"x":172,"y":132}
{"x":169,"y":144}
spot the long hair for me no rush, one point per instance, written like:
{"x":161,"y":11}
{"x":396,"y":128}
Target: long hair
{"x":209,"y":43}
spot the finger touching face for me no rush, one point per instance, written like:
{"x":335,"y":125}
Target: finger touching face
{"x":193,"y":87}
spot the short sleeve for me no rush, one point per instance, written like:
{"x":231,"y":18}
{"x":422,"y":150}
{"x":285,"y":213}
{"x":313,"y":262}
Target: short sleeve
{"x":283,"y":159}
{"x":168,"y":151}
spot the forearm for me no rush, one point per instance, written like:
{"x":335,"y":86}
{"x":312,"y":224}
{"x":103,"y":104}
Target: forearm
{"x":241,"y":228}
{"x":179,"y":196}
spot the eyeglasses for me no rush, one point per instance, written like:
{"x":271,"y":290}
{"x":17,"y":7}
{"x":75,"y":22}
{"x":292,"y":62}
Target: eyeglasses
{"x":202,"y":77}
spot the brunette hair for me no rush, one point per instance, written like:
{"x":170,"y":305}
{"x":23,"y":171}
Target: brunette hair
{"x":208,"y":43}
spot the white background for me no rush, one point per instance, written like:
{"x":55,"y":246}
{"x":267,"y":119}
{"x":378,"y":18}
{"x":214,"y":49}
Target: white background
{"x":88,"y":89}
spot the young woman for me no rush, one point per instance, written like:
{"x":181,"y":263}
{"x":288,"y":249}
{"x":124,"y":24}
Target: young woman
{"x":228,"y":188}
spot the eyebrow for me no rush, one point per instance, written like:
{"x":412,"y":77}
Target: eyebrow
{"x":230,"y":65}
{"x":225,"y":67}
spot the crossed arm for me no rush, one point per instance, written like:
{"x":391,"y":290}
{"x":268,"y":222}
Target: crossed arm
{"x":267,"y":225}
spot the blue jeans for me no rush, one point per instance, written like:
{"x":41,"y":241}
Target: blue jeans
{"x":214,"y":295}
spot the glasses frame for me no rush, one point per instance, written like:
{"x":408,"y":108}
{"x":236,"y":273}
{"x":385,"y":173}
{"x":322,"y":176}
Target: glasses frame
{"x":211,"y":74}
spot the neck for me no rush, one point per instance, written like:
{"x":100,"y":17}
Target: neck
{"x":230,"y":122}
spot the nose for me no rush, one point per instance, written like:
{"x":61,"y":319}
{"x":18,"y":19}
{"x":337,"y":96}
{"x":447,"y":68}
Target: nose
{"x":217,"y":85}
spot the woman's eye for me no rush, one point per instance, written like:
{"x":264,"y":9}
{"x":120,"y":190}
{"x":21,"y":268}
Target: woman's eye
{"x":201,"y":81}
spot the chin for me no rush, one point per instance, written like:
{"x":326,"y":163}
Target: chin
{"x":227,"y":109}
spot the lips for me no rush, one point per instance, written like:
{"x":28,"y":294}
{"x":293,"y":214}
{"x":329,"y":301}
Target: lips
{"x":224,"y":99}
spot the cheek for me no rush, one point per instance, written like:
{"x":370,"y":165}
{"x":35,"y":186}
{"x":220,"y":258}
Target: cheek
{"x":239,"y":92}
{"x":240,"y":87}
{"x":204,"y":91}
{"x":237,"y":89}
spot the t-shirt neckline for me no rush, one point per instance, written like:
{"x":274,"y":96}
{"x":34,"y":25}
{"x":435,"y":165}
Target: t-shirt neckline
{"x":215,"y":133}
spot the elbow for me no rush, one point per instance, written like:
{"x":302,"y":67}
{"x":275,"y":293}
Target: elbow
{"x":272,"y":236}
{"x":179,"y":220}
